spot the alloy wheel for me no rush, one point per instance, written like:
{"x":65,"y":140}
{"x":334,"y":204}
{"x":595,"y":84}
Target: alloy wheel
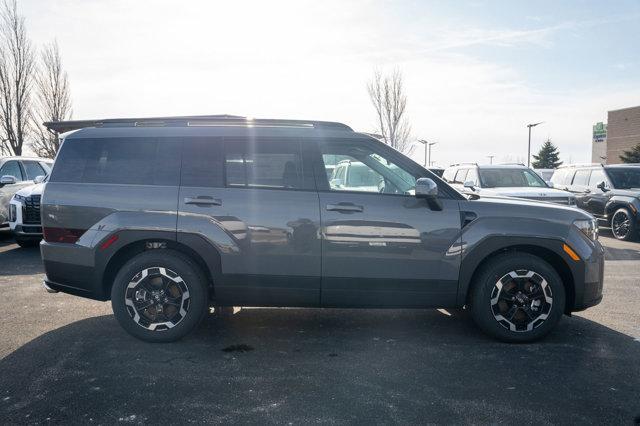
{"x":157,"y":299}
{"x":620,"y":225}
{"x":521,"y":300}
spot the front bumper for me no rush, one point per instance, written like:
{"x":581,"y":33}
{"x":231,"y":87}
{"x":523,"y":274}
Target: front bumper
{"x":28,"y":232}
{"x":589,"y":292}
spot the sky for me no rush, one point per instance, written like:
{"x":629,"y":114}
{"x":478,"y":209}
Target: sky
{"x":475,"y":72}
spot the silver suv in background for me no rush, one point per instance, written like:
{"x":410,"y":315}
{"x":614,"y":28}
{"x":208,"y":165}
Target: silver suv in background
{"x":167,"y":216}
{"x":16,"y":173}
{"x":504,"y":180}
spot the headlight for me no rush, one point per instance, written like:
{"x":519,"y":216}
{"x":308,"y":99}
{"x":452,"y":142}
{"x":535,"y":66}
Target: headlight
{"x":589,"y":227}
{"x":13,"y":213}
{"x":18,"y":197}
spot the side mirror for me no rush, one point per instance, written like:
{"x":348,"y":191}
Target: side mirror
{"x":602,"y":186}
{"x":39,"y":179}
{"x":427,"y":189}
{"x":469,"y":184}
{"x":8,"y":180}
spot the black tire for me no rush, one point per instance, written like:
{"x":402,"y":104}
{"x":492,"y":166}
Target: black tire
{"x":623,"y":225}
{"x":489,"y":301}
{"x":158,"y":285}
{"x":26,"y":243}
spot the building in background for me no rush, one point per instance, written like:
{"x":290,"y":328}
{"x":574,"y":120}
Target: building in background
{"x":622,"y":133}
{"x":599,"y":143}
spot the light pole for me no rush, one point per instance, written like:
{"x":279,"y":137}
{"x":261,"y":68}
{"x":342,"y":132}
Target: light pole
{"x":490,"y":158}
{"x":529,"y":149}
{"x":427,"y":150}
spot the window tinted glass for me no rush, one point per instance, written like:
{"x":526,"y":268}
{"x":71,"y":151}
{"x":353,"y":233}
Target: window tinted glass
{"x":11,"y":168}
{"x":624,"y":178}
{"x":367,"y":170}
{"x":33,"y":169}
{"x":461,"y":175}
{"x":134,"y":161}
{"x":597,"y":176}
{"x":472,"y":176}
{"x":202,"y":162}
{"x":265,"y":164}
{"x":505,"y":178}
{"x":581,"y":177}
{"x":449,"y":174}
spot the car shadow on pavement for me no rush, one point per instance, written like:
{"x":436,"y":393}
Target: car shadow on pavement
{"x":334,"y":366}
{"x":15,"y":260}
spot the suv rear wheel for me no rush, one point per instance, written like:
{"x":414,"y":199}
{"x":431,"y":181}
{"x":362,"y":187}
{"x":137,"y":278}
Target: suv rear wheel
{"x":623,"y":226}
{"x":517,"y":297}
{"x":159,"y":296}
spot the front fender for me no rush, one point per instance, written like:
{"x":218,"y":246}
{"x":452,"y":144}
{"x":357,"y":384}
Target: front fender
{"x":618,"y":201}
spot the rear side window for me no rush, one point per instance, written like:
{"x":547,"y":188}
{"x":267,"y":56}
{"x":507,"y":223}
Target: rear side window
{"x":33,"y":169}
{"x":581,"y":177}
{"x":266,"y":164}
{"x":202,"y":163}
{"x":131,"y":161}
{"x":448,"y":175}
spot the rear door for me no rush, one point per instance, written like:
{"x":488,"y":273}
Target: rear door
{"x":255,"y":201}
{"x":580,"y":188}
{"x":381,"y":246}
{"x":596,"y":199}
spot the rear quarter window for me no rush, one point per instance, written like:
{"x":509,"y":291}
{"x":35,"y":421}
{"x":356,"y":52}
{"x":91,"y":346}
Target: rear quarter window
{"x":132,"y":161}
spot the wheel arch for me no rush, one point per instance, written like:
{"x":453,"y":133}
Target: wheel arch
{"x":473,"y":264}
{"x":617,"y":203}
{"x":202,"y":253}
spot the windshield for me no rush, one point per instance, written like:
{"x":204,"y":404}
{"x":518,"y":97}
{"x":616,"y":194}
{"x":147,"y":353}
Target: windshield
{"x":507,"y":178}
{"x":625,"y":178}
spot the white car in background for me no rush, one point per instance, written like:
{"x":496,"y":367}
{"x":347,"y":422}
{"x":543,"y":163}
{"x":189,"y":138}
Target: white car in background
{"x":24,"y":215}
{"x":15,"y":174}
{"x":504,"y":180}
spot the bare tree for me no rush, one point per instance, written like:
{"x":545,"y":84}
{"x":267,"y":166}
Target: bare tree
{"x":388,"y":98}
{"x":17,"y":66}
{"x":52,"y":100}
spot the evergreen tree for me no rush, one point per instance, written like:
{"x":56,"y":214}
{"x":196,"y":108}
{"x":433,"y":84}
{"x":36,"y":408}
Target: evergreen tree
{"x":631,"y":156}
{"x":548,"y":157}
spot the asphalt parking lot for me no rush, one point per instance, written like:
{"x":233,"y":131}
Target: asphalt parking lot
{"x":65,"y":360}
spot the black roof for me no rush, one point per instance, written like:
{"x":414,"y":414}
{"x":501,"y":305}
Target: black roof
{"x":193,"y":121}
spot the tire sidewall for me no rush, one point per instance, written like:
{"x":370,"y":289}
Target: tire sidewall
{"x":181,"y":265}
{"x":486,"y":280}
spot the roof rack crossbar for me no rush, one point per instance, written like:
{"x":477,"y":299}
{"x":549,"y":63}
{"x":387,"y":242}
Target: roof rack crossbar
{"x":191,"y":121}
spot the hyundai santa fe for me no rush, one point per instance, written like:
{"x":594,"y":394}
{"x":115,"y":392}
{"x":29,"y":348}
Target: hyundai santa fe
{"x":168,"y":216}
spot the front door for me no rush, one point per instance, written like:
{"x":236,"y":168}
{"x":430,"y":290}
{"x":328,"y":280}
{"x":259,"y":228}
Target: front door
{"x":255,"y":201}
{"x":381,"y":246}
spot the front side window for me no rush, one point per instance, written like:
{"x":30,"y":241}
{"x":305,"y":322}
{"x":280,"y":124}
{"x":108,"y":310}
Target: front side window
{"x":461,"y":175}
{"x":266,"y":164}
{"x":581,"y":178}
{"x":507,"y":178}
{"x":366,"y":170}
{"x":624,"y":177}
{"x":11,"y":168}
{"x":597,"y":176}
{"x":33,"y":169}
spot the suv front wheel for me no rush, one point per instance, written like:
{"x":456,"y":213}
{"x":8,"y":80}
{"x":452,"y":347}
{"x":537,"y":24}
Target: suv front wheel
{"x":159,"y":296}
{"x":622,"y":225}
{"x":517,"y":297}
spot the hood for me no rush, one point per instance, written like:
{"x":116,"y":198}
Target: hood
{"x":631,"y":192}
{"x":520,"y":207}
{"x":31,"y":190}
{"x":526,"y":192}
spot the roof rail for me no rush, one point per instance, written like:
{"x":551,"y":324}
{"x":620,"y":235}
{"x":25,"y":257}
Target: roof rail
{"x":511,"y":164}
{"x":567,"y":166}
{"x":463,"y":164}
{"x":192,"y":121}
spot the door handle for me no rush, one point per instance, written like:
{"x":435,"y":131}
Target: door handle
{"x":203,"y":201}
{"x":344,"y":207}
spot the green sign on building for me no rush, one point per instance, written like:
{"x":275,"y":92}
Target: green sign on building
{"x":599,"y":132}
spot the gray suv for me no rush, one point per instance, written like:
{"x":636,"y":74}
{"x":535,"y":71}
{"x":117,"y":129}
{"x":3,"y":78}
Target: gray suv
{"x":166,"y":217}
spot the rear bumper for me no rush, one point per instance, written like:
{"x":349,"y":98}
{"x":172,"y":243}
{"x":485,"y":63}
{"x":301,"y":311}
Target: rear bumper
{"x":70,"y":269}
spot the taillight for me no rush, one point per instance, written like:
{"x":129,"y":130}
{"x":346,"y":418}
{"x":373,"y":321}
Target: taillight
{"x":62,"y":235}
{"x":109,"y":241}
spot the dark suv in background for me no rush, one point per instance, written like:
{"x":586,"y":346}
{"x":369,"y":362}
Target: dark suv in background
{"x":610,"y":193}
{"x":167,"y":216}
